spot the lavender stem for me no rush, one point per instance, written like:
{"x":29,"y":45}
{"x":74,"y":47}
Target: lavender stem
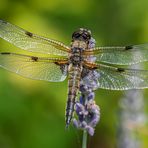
{"x":84,"y":141}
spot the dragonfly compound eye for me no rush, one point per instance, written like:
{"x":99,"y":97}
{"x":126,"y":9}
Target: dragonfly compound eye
{"x":86,"y":36}
{"x":82,"y":35}
{"x":76,"y":35}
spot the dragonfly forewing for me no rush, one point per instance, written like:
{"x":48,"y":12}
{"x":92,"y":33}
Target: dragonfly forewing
{"x":31,"y":42}
{"x":127,"y":55}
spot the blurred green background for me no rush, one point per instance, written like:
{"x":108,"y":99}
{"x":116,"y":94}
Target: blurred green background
{"x":32,"y":112}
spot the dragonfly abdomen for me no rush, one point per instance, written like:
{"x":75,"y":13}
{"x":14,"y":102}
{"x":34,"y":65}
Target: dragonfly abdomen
{"x":73,"y":87}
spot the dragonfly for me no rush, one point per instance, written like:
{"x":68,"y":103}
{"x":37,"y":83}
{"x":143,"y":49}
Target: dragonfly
{"x":59,"y":61}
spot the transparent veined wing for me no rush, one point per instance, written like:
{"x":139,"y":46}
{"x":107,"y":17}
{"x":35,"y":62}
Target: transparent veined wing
{"x":121,"y":79}
{"x":39,"y":68}
{"x":127,"y":55}
{"x":31,"y":42}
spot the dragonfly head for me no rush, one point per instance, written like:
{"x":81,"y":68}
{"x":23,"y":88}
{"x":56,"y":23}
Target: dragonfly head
{"x":82,"y":35}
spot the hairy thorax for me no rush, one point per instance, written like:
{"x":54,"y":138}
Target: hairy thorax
{"x":77,"y":47}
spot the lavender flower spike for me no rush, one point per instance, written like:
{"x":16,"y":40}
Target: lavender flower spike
{"x":88,"y":116}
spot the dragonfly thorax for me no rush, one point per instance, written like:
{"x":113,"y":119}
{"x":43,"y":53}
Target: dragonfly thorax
{"x":76,"y":56}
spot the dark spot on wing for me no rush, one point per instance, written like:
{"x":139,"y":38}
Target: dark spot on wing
{"x":128,"y":47}
{"x":120,"y":69}
{"x":57,"y":63}
{"x":60,"y":63}
{"x":34,"y":58}
{"x":63,"y":67}
{"x":5,"y":53}
{"x":29,"y":34}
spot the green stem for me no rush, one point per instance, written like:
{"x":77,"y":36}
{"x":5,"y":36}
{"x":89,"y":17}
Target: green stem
{"x":84,"y":142}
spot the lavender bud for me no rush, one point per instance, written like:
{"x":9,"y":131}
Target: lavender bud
{"x":92,"y":43}
{"x":90,"y":130}
{"x":79,"y":108}
{"x":91,"y":96}
{"x":94,"y":121}
{"x":75,"y":123}
{"x":84,"y":124}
